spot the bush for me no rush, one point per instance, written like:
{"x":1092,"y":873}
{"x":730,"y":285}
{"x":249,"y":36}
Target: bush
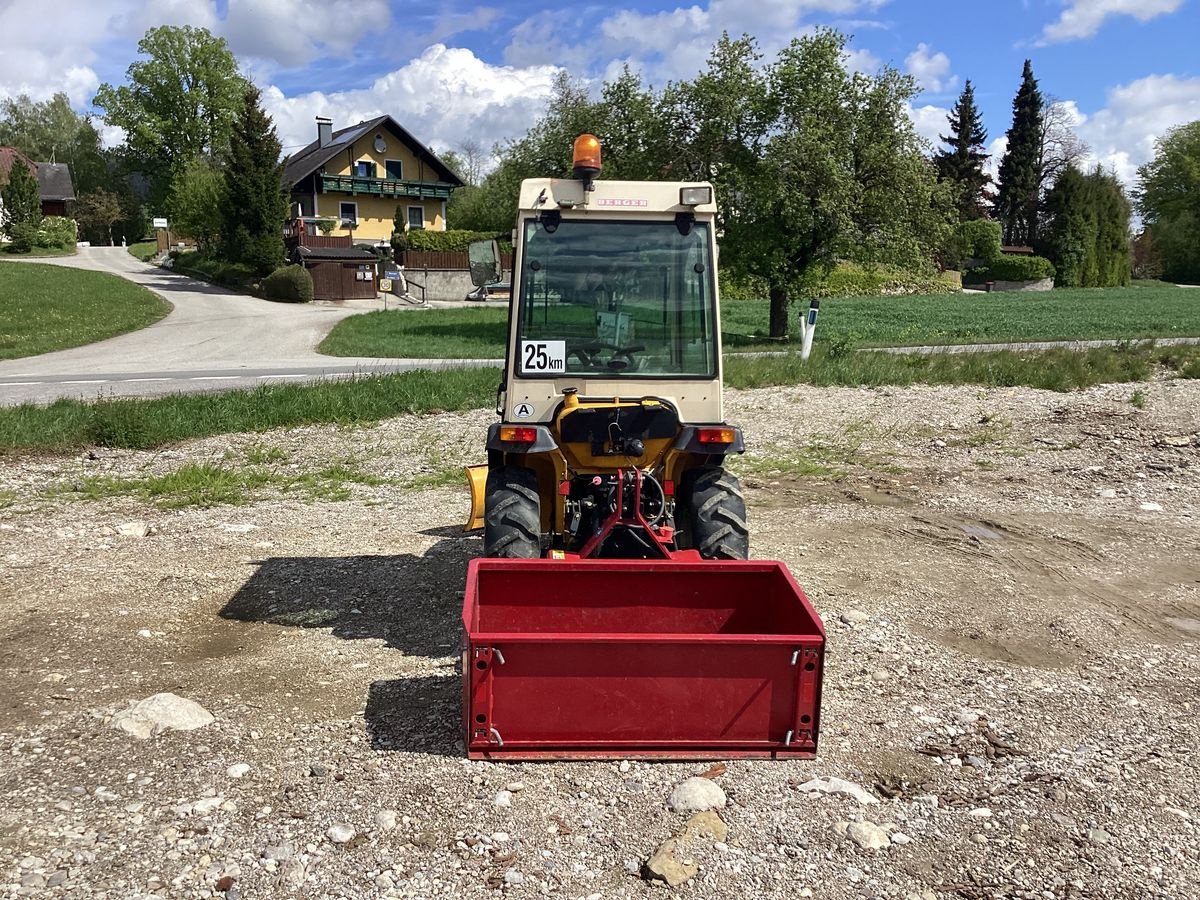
{"x":57,"y":232}
{"x":736,"y":287}
{"x":852,"y":280}
{"x":454,"y":240}
{"x":1012,"y":268}
{"x":23,"y":236}
{"x":292,"y":283}
{"x":238,"y":276}
{"x":973,"y":239}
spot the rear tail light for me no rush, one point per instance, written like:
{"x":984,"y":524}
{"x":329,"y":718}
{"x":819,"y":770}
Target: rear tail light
{"x":518,"y":434}
{"x":715,"y":435}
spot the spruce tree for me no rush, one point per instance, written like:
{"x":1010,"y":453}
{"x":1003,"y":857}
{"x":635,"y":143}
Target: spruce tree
{"x":962,"y":164}
{"x":1020,"y":175}
{"x":21,"y":205}
{"x":256,"y":202}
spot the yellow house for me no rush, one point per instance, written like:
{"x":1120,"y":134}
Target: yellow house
{"x":359,"y":177}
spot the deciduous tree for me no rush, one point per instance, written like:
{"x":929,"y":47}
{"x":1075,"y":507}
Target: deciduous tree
{"x":96,"y":212}
{"x":1169,"y":200}
{"x":51,"y":131}
{"x":196,"y":203}
{"x":180,"y":102}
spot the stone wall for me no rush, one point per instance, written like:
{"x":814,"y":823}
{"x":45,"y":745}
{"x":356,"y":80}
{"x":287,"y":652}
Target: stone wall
{"x":1045,"y":284}
{"x":444,"y":284}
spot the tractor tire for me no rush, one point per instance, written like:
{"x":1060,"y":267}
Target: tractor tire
{"x":512,"y":516}
{"x":716,"y":514}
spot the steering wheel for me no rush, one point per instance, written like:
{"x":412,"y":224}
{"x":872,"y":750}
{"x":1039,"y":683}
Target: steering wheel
{"x":622,"y":357}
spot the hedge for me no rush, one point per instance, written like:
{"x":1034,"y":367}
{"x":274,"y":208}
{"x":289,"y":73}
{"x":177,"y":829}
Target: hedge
{"x":851,"y":280}
{"x":1012,"y":268}
{"x":291,"y":283}
{"x":453,"y":240}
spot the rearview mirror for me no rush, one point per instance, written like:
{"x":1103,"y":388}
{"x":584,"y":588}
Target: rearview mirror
{"x":484,"y":260}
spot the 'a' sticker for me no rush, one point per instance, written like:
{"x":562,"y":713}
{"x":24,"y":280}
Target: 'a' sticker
{"x":523,"y":411}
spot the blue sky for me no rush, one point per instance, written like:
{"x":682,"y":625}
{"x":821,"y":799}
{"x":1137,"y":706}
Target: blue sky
{"x":1126,"y":70}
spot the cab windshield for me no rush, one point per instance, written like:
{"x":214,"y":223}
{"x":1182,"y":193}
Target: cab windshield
{"x":613,"y":298}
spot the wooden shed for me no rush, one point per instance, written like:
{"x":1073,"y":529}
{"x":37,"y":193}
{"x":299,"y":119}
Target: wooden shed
{"x":339,"y":273}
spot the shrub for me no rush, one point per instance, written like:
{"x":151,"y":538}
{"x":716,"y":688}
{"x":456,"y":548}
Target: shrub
{"x":23,"y":237}
{"x":292,"y":283}
{"x":1013,"y":268}
{"x":452,"y":240}
{"x":738,"y":287}
{"x":974,"y":239}
{"x":57,"y":232}
{"x":852,"y":280}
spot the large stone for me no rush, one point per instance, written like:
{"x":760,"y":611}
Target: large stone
{"x":696,"y":795}
{"x":672,"y":863}
{"x":868,"y":835}
{"x":706,"y":825}
{"x":161,"y":713}
{"x":831,"y":785}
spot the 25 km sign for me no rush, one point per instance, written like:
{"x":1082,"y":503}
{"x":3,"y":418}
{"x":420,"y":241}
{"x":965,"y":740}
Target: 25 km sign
{"x":543,"y":357}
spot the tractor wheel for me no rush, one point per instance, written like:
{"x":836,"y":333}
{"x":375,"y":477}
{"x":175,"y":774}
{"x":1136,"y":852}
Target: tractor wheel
{"x":512,"y":518}
{"x":716,"y":514}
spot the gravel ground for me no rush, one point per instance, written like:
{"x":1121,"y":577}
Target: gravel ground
{"x":1010,"y":579}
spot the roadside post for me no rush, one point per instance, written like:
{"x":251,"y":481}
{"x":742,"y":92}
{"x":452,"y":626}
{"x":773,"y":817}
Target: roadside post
{"x":810,"y":326}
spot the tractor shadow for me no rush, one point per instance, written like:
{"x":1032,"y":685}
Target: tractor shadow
{"x":411,"y":602}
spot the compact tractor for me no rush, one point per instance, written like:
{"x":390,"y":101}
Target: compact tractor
{"x":616,"y":611}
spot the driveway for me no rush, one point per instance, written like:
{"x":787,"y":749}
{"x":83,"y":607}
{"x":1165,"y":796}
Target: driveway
{"x":212,"y":339}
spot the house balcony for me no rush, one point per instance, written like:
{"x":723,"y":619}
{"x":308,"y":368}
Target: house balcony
{"x":385,"y":187}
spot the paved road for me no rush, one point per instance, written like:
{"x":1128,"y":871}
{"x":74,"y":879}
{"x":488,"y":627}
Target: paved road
{"x":213,"y":339}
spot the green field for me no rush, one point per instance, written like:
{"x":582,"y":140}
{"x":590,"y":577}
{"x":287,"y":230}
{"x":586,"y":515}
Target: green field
{"x":1145,"y":311}
{"x":144,"y":250}
{"x":45,"y":308}
{"x":146,"y":423}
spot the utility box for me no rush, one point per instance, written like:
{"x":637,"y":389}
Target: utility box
{"x":639,"y":658}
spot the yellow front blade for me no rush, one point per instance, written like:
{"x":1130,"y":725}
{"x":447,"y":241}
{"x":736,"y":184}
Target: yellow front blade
{"x":477,"y":478}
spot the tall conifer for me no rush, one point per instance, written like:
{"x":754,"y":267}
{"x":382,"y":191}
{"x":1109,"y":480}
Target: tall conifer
{"x":962,"y":164}
{"x":1020,"y":176}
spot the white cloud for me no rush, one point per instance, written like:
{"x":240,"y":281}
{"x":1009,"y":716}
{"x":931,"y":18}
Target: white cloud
{"x":1121,"y":135}
{"x":1083,"y":18}
{"x":932,"y":70}
{"x":930,"y":122}
{"x":292,"y":33}
{"x":669,"y":44}
{"x":443,"y":97}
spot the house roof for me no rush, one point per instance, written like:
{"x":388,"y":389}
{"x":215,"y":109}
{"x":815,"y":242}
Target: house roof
{"x":8,"y":156}
{"x":54,"y":181}
{"x":306,"y":161}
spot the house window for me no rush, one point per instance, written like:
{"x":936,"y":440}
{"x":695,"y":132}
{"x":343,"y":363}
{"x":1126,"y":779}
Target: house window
{"x":416,"y":218}
{"x":348,"y":213}
{"x":364,"y":169}
{"x":394,"y":169}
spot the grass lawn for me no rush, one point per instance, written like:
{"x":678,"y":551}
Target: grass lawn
{"x":45,"y":308}
{"x":37,"y":251}
{"x":1154,"y":310}
{"x":145,"y":423}
{"x":144,"y":250}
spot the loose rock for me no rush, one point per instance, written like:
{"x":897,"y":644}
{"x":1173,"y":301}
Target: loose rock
{"x":830,"y":785}
{"x":868,"y":835}
{"x":696,"y":795}
{"x":161,"y":713}
{"x":341,"y":833}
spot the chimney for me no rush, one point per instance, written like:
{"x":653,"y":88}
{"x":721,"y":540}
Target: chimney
{"x":324,"y":131}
